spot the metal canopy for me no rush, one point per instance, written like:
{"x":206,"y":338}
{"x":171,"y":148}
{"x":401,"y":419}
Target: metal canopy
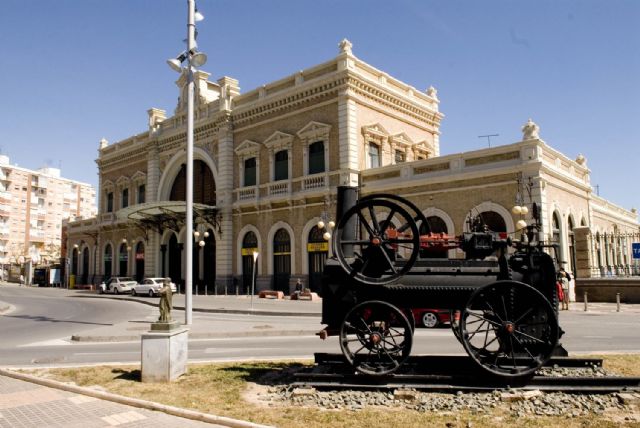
{"x":163,"y":215}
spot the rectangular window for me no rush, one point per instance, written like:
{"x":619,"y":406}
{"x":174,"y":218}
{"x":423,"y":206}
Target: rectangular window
{"x":281,"y":165}
{"x":316,"y":157}
{"x":110,"y":202}
{"x":250,"y":172}
{"x":125,"y":198}
{"x":400,"y":156}
{"x":374,"y":155}
{"x":141,"y":194}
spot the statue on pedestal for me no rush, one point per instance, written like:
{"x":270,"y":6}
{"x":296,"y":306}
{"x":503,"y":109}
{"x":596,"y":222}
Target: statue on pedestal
{"x":166,"y":301}
{"x":530,"y":131}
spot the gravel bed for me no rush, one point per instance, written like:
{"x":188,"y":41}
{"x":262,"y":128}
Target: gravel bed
{"x":517,"y":403}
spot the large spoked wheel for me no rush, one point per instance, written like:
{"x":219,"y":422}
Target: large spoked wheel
{"x":376,"y":338}
{"x":376,"y":241}
{"x":509,"y":328}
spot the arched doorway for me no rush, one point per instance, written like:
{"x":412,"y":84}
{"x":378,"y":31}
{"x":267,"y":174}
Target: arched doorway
{"x":249,"y":245}
{"x":123,"y":260}
{"x":209,"y":261}
{"x":175,"y":260}
{"x":436,"y":225}
{"x":572,"y":247}
{"x":318,"y":250}
{"x":108,"y":260}
{"x":74,"y":262}
{"x":281,"y":260}
{"x":139,"y":257}
{"x":85,"y":265}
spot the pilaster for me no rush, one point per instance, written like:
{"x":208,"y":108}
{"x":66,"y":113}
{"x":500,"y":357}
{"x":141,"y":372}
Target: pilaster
{"x":584,"y":261}
{"x":224,"y":192}
{"x":153,"y":173}
{"x":348,"y":140}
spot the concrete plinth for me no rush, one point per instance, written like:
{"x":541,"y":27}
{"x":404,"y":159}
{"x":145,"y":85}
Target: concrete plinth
{"x":164,"y":355}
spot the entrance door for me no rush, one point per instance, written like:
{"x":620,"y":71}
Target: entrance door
{"x":318,"y":250}
{"x":249,"y":245}
{"x":281,"y":261}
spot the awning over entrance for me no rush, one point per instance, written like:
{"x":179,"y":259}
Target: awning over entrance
{"x":163,"y":215}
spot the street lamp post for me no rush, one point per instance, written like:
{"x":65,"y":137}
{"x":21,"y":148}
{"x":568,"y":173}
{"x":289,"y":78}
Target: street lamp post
{"x":194,"y":59}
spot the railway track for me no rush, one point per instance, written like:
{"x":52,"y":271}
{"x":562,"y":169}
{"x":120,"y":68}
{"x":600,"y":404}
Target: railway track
{"x":459,"y":373}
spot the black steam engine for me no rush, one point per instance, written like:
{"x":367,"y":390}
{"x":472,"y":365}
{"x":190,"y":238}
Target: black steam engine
{"x":502,"y":295}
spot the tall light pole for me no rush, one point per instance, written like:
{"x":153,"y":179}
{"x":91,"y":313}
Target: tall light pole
{"x":253,"y":279}
{"x":194,"y":59}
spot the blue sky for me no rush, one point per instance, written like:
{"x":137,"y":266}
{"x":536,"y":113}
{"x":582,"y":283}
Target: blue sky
{"x":74,"y":71}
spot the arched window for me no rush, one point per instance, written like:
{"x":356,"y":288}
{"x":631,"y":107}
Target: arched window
{"x":204,"y":186}
{"x":316,"y":157}
{"x":493,"y":221}
{"x":281,"y":166}
{"x":108,"y":259}
{"x":281,"y":260}
{"x":555,"y":228}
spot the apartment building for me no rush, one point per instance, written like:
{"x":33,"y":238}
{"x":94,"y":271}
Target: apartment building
{"x":33,"y":205}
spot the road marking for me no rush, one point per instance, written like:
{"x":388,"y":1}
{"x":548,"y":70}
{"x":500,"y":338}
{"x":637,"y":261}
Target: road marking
{"x":106,"y":353}
{"x":598,"y":337}
{"x":51,"y":342}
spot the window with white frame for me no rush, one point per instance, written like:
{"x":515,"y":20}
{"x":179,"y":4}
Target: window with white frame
{"x":316,"y":157}
{"x":374,"y":155}
{"x":315,"y":147}
{"x":279,"y":145}
{"x":250,"y":172}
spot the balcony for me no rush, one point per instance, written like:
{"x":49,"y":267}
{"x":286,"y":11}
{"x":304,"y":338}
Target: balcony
{"x":36,"y":235}
{"x":315,"y":181}
{"x":5,"y":196}
{"x":5,"y":231}
{"x":280,"y":188}
{"x":4,"y":176}
{"x":5,"y":209}
{"x":247,"y":194}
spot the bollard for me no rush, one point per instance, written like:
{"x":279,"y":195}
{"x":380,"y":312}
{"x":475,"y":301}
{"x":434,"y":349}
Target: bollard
{"x":617,"y":302}
{"x":225,"y":288}
{"x":196,"y":287}
{"x":205,"y":289}
{"x":237,"y":291}
{"x":586,"y":308}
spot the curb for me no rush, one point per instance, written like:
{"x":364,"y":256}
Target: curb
{"x":135,"y":402}
{"x":130,"y":338}
{"x":214,"y":311}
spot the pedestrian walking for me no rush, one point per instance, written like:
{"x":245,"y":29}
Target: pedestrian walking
{"x":564,"y":278}
{"x":21,"y":280}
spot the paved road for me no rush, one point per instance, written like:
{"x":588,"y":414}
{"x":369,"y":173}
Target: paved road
{"x":232,"y":336}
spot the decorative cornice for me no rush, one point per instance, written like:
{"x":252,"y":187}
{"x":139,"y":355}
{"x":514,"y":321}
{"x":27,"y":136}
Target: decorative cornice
{"x":247,"y":147}
{"x":314,"y":130}
{"x":279,"y":140}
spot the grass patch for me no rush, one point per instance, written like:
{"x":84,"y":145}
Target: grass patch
{"x":235,"y":390}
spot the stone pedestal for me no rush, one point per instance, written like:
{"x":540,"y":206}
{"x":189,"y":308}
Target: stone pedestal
{"x":164,"y":352}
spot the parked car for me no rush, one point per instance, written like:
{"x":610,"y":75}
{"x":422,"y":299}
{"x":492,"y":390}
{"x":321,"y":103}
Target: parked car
{"x":431,"y":318}
{"x":151,"y":287}
{"x":117,"y":285}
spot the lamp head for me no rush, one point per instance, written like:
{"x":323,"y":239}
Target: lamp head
{"x":175,"y":65}
{"x":255,"y":256}
{"x":198,"y":59}
{"x":198,"y":16}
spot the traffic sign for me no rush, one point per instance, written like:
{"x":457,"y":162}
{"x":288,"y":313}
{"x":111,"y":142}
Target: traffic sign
{"x":635,"y":247}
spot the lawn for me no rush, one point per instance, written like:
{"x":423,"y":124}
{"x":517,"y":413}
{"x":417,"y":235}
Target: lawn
{"x":244,"y":391}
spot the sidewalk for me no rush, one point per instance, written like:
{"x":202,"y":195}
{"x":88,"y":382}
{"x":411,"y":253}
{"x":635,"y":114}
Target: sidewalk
{"x":25,"y":404}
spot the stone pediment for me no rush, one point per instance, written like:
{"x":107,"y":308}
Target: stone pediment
{"x":248,"y":147}
{"x":314,"y":130}
{"x":122,"y":181}
{"x":375,"y":130}
{"x":279,"y":140}
{"x":108,"y":184}
{"x":139,"y":176}
{"x":402,"y":139}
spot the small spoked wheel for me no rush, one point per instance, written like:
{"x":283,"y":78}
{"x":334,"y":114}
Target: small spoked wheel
{"x":509,"y":328}
{"x":376,"y":338}
{"x":376,"y":241}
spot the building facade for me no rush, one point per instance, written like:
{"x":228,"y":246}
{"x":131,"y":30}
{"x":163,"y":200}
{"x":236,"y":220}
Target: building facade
{"x":33,"y":206}
{"x":270,"y":161}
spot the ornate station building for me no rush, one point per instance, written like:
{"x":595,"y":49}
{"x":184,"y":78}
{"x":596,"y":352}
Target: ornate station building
{"x":268,"y":163}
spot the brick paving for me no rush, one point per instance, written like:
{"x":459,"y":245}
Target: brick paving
{"x":23,"y":404}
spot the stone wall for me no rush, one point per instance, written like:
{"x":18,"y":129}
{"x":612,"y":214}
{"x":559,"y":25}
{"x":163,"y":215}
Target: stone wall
{"x":604,"y":290}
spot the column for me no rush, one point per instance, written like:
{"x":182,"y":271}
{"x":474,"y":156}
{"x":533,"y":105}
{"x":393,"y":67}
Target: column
{"x":153,"y":173}
{"x":224,"y":192}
